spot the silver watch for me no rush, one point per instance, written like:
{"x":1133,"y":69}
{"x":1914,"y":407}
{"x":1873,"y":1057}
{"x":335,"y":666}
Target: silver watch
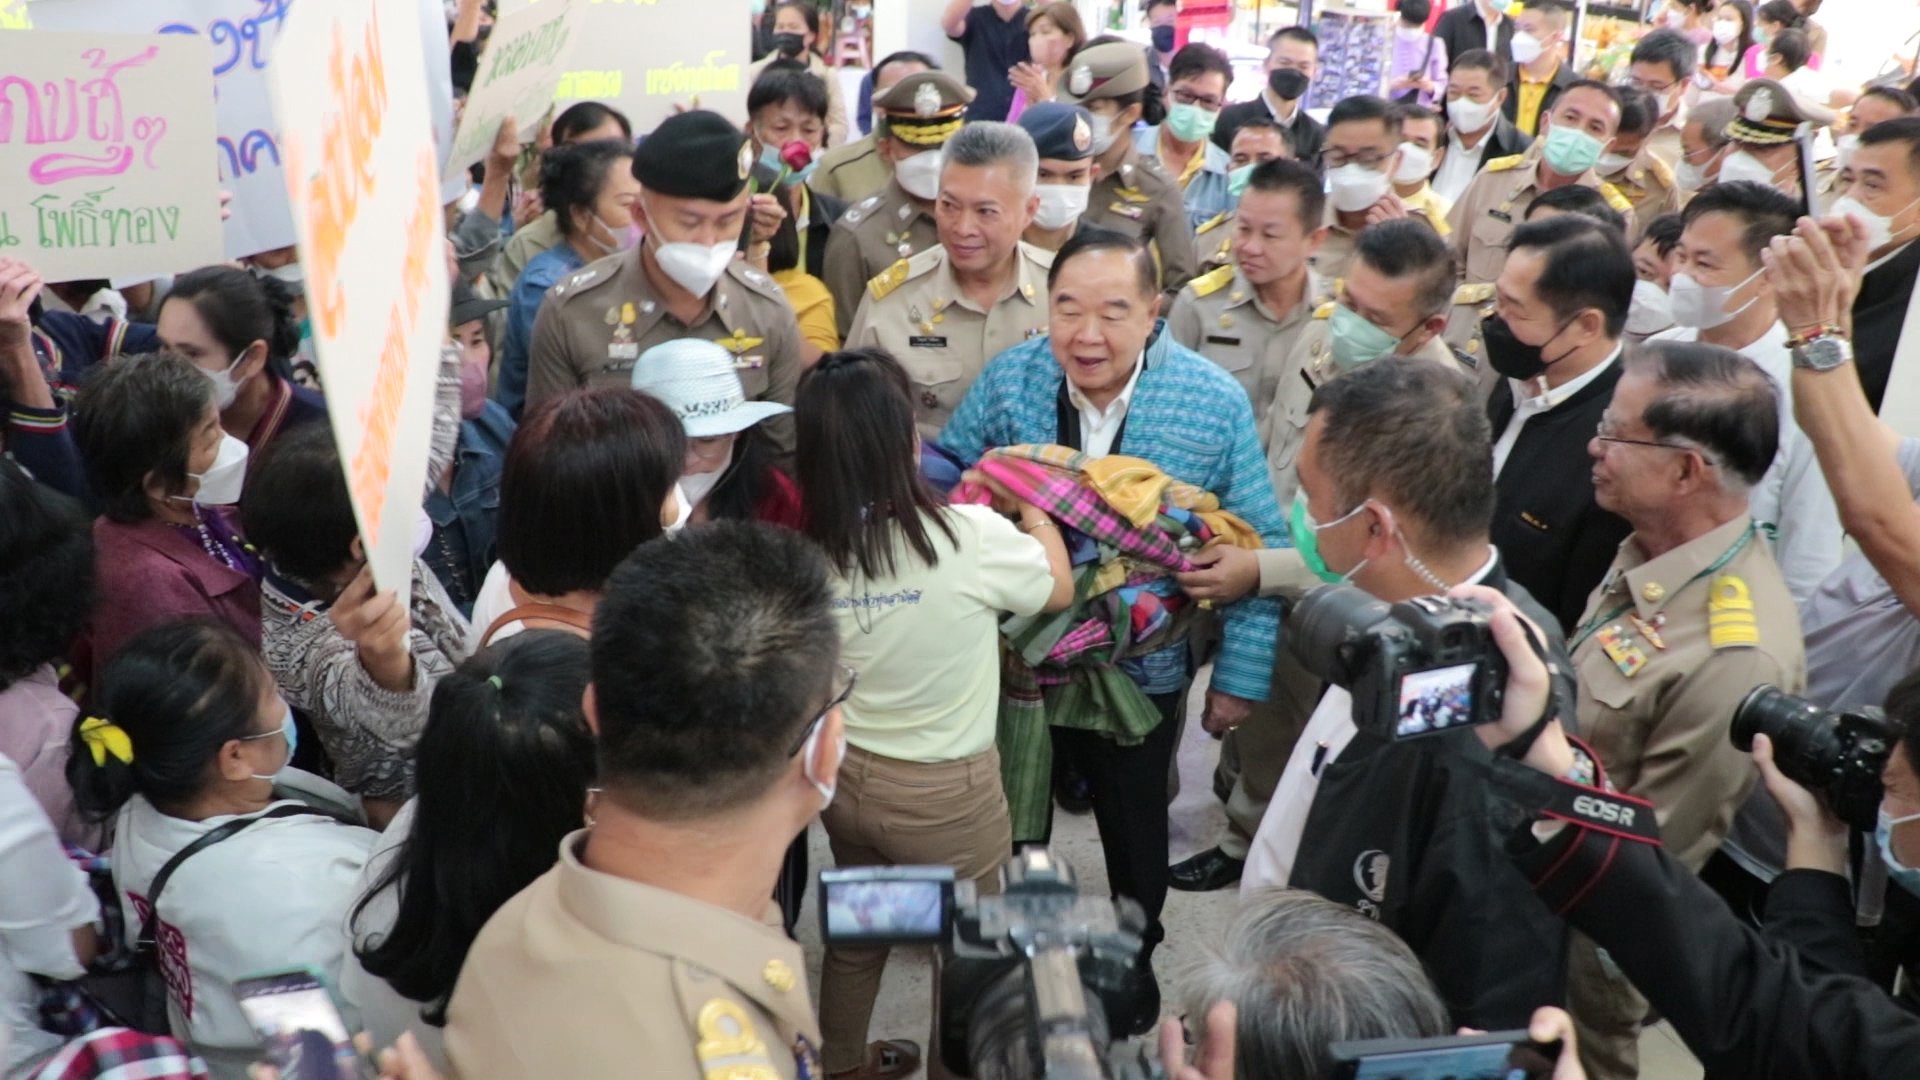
{"x":1823,"y":353}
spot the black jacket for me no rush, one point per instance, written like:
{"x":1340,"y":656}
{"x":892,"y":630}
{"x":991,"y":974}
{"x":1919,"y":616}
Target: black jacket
{"x":1552,"y":536}
{"x":1505,"y":140}
{"x":1409,"y":834}
{"x":1878,"y":313}
{"x":1462,"y":28}
{"x":1306,"y":134}
{"x":822,"y":212}
{"x":1744,"y":1005}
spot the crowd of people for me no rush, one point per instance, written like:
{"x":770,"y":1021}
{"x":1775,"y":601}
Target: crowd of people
{"x":911,"y":476}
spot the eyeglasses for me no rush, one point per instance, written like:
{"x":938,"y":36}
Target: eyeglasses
{"x":1653,"y":88}
{"x":1371,"y":159}
{"x":1183,"y":96}
{"x":1604,"y":431}
{"x":849,"y":679}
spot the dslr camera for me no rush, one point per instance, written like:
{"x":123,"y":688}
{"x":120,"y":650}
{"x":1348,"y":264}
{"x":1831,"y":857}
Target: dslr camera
{"x":1419,"y":667}
{"x":1837,"y":755}
{"x":1034,"y":982}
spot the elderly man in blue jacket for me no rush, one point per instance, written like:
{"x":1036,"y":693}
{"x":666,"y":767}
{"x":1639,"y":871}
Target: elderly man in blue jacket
{"x":1108,"y":379}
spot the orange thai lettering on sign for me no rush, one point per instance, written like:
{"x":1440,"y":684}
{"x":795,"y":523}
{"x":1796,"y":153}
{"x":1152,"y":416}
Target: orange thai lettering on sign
{"x":357,"y":82}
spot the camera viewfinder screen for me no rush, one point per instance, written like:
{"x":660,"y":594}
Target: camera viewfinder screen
{"x":886,"y":910}
{"x":1435,"y":700}
{"x":1496,"y":1062}
{"x":301,"y":1030}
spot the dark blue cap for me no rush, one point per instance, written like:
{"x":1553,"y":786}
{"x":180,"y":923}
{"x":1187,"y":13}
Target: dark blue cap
{"x":1061,"y":132}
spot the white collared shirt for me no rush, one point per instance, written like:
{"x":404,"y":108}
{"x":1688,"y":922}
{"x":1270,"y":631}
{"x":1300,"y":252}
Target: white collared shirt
{"x":1493,"y":32}
{"x":1100,"y":427}
{"x":1460,"y":166}
{"x":1276,"y":844}
{"x":1527,"y":406}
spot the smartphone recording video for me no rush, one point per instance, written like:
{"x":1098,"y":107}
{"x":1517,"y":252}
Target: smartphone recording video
{"x":300,"y":1027}
{"x":893,"y":905}
{"x":1499,"y":1055}
{"x":1438,"y":699}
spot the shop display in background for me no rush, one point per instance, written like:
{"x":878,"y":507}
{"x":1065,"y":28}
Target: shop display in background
{"x":1354,"y":46}
{"x":1605,"y":44}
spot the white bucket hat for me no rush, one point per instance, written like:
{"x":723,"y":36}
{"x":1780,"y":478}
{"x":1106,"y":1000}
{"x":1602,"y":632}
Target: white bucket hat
{"x":695,"y":378}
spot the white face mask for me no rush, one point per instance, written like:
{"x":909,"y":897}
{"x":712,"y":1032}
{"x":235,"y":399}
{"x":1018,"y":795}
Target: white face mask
{"x":1726,"y":31}
{"x":1355,"y":187}
{"x":1061,"y":204}
{"x":1879,"y":226}
{"x":826,"y":788}
{"x":1527,"y":48}
{"x":1611,"y":163}
{"x":1468,"y":115}
{"x":696,"y":268}
{"x":695,"y":487}
{"x":290,"y":275}
{"x":920,"y":174}
{"x":1416,"y":164}
{"x":1704,"y":307}
{"x":682,"y":508}
{"x":1651,"y":310}
{"x":225,"y":387}
{"x":1690,"y":177}
{"x":1741,"y":165}
{"x":220,"y":485}
{"x":1103,"y":133}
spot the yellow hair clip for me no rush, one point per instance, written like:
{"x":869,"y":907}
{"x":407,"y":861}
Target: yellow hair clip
{"x":104,"y":737}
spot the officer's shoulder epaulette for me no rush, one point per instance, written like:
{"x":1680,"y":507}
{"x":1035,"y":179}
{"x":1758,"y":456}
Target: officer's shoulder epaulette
{"x":1731,"y":621}
{"x":1504,"y":164}
{"x":1477,"y":293}
{"x":1325,"y":310}
{"x":861,"y":209}
{"x":753,"y":279}
{"x":1212,"y":223}
{"x":1324,"y":304}
{"x":887,"y":280}
{"x":1614,"y":198}
{"x":1212,"y":281}
{"x":1661,"y":172}
{"x":579,"y":280}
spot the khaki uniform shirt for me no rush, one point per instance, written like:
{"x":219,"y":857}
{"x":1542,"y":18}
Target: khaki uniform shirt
{"x":1336,"y":251}
{"x":872,"y":235}
{"x":852,"y":172}
{"x":1664,"y":142}
{"x":1219,"y":316}
{"x":1493,"y":205}
{"x":586,"y":975}
{"x":915,"y":310}
{"x":1648,"y":184}
{"x":1140,"y":200}
{"x":534,"y":237}
{"x":1213,"y":241}
{"x":1667,"y":649}
{"x":594,"y":325}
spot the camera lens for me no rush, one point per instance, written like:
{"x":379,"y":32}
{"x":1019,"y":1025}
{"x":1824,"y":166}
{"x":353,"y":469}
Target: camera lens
{"x":1328,"y":618}
{"x":1806,"y":738}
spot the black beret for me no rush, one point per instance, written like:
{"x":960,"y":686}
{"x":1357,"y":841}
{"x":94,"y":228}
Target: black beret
{"x":1060,"y":131}
{"x":694,"y":155}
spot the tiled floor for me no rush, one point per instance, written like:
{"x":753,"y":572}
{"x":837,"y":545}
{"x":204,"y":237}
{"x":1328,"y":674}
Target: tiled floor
{"x":903,"y":1010}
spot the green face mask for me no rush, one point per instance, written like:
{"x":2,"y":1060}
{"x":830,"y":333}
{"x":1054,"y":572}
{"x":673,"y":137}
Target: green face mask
{"x":1190,"y":123}
{"x":1306,"y":539}
{"x":1355,"y":341}
{"x":1238,"y":179}
{"x":1571,"y":151}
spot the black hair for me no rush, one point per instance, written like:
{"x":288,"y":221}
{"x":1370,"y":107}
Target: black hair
{"x":1151,"y":4}
{"x":1092,"y":238}
{"x":1409,"y":248}
{"x":1581,"y":200}
{"x":1415,"y":12}
{"x":583,"y":483}
{"x":1294,"y":33}
{"x":46,"y":573}
{"x":1745,"y":40}
{"x":1363,"y":107}
{"x":1496,"y":67}
{"x":1715,"y":398}
{"x":1611,"y":91}
{"x":240,"y":309}
{"x":1903,"y":708}
{"x":1263,"y":123}
{"x":180,"y":690}
{"x":1892,"y":95}
{"x":1669,"y":47}
{"x":904,"y":56}
{"x":1793,"y":47}
{"x":1904,"y":129}
{"x":853,"y":417}
{"x":1663,"y":233}
{"x":779,"y":84}
{"x":504,"y":764}
{"x":136,"y":415}
{"x":1285,"y":175}
{"x":1196,"y":58}
{"x":1639,"y":110}
{"x":573,"y":176}
{"x":1405,"y":430}
{"x":1781,"y":13}
{"x":737,"y":646}
{"x":295,"y":508}
{"x":1404,"y":111}
{"x":584,"y":116}
{"x":1588,"y":265}
{"x":1764,"y":212}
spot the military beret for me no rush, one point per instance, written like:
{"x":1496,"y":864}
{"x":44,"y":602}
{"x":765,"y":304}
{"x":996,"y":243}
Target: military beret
{"x":1112,"y":70}
{"x":1765,"y":114}
{"x":925,"y":108}
{"x":1060,"y":132}
{"x":694,"y":155}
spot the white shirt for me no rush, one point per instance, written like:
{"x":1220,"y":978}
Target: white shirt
{"x":1526,"y":407}
{"x":1793,"y":496}
{"x":1276,"y":844}
{"x":384,"y":1012}
{"x":271,"y":897}
{"x":1460,"y":166}
{"x":1493,"y":32}
{"x":1100,"y":427}
{"x":45,"y":899}
{"x":494,"y":599}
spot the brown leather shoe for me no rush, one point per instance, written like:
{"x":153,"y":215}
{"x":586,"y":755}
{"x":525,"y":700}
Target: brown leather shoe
{"x":888,"y":1059}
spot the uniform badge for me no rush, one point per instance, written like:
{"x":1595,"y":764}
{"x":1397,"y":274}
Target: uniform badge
{"x":1082,"y":134}
{"x":1621,"y":650}
{"x":622,"y":346}
{"x":1730,"y":617}
{"x":1079,"y":81}
{"x":926,"y":101}
{"x":1759,"y":106}
{"x":1125,"y":211}
{"x":929,"y":399}
{"x":729,"y":1046}
{"x":806,"y":1060}
{"x":1650,"y":629}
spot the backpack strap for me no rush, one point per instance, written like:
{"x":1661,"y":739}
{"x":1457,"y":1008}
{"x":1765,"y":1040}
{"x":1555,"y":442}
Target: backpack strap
{"x":215,"y":836}
{"x":579,"y":621}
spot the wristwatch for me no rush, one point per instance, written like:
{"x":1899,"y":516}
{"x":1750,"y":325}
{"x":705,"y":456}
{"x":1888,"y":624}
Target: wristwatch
{"x":1823,"y":352}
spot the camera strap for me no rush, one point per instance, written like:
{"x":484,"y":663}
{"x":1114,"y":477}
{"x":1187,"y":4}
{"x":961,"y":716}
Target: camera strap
{"x":1624,"y":816}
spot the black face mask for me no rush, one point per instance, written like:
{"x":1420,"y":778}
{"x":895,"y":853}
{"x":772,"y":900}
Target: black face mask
{"x":1162,"y":38}
{"x":1287,"y":84}
{"x":789,"y":44}
{"x":1514,"y":358}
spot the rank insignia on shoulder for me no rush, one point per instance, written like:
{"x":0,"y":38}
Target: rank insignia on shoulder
{"x":1730,"y":617}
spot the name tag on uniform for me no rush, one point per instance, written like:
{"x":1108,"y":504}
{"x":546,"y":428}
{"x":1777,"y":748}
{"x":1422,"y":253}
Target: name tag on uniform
{"x":1126,"y":211}
{"x":1500,"y":215}
{"x":1534,"y":521}
{"x":924,"y":342}
{"x":749,"y":363}
{"x":1216,"y":339}
{"x":623,"y":350}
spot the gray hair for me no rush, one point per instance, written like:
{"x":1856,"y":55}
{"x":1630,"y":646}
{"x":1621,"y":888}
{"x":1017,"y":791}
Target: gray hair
{"x":990,"y":142}
{"x":1714,"y":116}
{"x":1305,"y":973}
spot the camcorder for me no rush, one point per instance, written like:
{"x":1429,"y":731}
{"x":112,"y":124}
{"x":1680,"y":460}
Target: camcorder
{"x":1419,"y":667}
{"x":1034,"y":982}
{"x":1838,"y":755}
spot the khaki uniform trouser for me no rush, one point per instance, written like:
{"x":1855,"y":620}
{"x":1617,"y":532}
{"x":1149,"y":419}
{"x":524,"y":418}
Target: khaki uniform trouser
{"x":1607,"y":1012}
{"x":1253,"y":755}
{"x":904,"y":813}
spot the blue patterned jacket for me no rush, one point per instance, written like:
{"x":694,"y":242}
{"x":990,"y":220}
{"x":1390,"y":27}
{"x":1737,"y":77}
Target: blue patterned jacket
{"x":1192,"y":421}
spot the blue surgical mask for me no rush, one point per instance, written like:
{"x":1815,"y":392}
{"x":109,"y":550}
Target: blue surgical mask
{"x":1906,"y":877}
{"x":287,"y":731}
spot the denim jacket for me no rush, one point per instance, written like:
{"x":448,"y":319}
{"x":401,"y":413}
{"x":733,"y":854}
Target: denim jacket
{"x":465,"y":518}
